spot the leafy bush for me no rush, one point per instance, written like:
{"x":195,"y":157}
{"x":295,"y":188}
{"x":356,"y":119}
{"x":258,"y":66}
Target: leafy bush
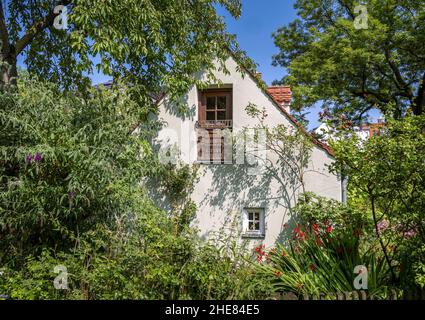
{"x":313,"y":209}
{"x":148,"y":263}
{"x":67,"y":163}
{"x":71,"y":195}
{"x":387,"y":173}
{"x":323,"y":251}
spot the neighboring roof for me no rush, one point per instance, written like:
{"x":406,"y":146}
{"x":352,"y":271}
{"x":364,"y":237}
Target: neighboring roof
{"x":282,"y":94}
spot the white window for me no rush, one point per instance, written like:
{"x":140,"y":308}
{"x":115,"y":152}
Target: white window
{"x":253,"y":222}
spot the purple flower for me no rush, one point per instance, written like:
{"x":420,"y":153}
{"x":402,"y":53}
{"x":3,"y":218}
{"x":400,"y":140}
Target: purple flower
{"x":72,"y":194}
{"x":37,"y":157}
{"x":28,"y":159}
{"x":382,"y":226}
{"x":410,"y":233}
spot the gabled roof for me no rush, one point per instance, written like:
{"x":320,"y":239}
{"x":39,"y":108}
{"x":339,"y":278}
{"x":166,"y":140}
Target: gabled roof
{"x":260,"y":84}
{"x":276,"y":94}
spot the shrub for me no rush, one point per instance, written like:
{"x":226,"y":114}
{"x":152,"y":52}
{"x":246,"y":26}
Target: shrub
{"x":387,"y":173}
{"x":151,"y":262}
{"x":71,"y":195}
{"x":322,"y":252}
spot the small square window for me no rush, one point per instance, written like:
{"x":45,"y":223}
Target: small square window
{"x":253,"y":223}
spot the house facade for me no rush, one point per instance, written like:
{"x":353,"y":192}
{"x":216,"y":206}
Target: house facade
{"x":363,"y":132}
{"x":242,"y":187}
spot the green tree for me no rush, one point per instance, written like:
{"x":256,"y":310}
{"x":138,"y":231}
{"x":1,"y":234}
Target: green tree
{"x":67,"y":163}
{"x":355,"y":67}
{"x":71,"y":193}
{"x":387,"y":174}
{"x":153,"y":43}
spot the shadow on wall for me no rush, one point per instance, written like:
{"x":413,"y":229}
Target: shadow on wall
{"x":276,"y":189}
{"x":232,"y":188}
{"x":180,"y":108}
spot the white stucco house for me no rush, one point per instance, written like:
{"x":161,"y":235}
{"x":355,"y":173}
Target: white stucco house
{"x":363,"y":131}
{"x":233,"y":194}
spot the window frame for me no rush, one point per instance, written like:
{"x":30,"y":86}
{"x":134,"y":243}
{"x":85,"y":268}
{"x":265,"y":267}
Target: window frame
{"x":259,"y":233}
{"x":203,"y":96}
{"x":212,"y":125}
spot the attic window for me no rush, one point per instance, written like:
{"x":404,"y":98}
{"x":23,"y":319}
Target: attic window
{"x":215,"y":108}
{"x":214,"y":124}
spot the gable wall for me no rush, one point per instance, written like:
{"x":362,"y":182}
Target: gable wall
{"x":224,"y":190}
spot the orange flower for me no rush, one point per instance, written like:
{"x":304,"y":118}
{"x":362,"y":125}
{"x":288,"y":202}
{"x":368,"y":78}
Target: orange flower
{"x":319,"y":242}
{"x":315,"y":228}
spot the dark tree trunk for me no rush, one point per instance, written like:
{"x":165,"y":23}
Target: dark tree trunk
{"x":9,"y":73}
{"x":419,"y":103}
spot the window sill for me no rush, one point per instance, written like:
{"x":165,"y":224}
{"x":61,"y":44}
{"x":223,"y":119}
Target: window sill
{"x":253,"y":235}
{"x":211,"y":162}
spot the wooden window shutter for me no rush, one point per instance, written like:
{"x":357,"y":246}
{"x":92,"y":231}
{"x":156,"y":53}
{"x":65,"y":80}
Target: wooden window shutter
{"x":201,"y":106}
{"x":229,"y":114}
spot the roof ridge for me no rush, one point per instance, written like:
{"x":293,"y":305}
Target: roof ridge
{"x":318,"y":143}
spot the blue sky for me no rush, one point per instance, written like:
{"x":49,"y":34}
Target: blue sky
{"x":260,"y":18}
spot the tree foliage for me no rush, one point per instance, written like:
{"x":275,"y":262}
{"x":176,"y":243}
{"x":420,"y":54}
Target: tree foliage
{"x":354,"y":69}
{"x":67,"y":163}
{"x":157,"y":44}
{"x":387,"y":174}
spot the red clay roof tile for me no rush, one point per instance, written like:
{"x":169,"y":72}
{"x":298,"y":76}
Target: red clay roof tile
{"x":282,"y":94}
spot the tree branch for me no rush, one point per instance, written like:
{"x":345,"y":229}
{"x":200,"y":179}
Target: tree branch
{"x":419,"y":103}
{"x":38,"y":27}
{"x":4,"y":34}
{"x":401,"y":84}
{"x":373,"y":98}
{"x":384,"y":249}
